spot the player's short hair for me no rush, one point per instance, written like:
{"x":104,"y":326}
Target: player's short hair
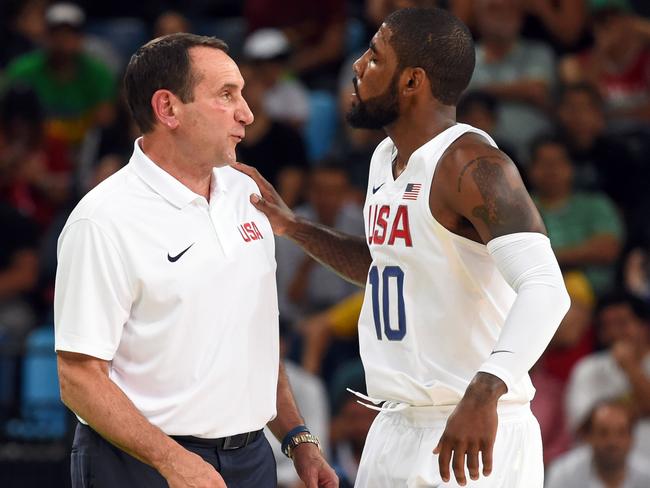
{"x":163,"y":63}
{"x":436,"y":41}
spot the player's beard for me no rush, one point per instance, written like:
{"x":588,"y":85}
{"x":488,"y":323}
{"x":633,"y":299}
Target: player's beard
{"x":376,"y":112}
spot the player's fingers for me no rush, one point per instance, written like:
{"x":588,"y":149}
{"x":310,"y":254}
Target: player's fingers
{"x":458,"y":464}
{"x":259,"y":203}
{"x":472,"y":462}
{"x":486,"y":457}
{"x":443,"y":450}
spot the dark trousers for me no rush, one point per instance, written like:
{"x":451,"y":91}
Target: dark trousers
{"x":96,"y":463}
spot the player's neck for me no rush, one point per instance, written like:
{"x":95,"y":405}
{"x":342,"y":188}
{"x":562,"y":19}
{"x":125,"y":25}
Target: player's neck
{"x":413,"y":130}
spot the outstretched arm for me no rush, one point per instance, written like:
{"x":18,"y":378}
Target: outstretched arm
{"x":346,"y":255}
{"x":482,"y":185}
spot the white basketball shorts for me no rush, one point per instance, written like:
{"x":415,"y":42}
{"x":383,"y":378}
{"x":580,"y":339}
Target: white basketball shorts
{"x":399,"y":450}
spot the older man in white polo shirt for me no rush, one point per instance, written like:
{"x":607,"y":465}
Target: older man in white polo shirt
{"x":165,"y":305}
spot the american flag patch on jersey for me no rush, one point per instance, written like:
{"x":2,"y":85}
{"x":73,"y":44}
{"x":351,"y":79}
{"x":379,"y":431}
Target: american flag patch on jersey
{"x":412,"y":191}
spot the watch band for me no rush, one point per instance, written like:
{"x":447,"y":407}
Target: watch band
{"x":301,"y":438}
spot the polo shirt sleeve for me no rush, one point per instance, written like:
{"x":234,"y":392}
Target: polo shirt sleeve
{"x":92,"y":297}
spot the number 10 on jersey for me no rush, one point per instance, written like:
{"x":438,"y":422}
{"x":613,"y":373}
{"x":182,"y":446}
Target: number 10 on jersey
{"x":391,"y":276}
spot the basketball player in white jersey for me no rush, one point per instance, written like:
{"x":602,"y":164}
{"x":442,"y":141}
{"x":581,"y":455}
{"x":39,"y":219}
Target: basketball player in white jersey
{"x":462,"y":290}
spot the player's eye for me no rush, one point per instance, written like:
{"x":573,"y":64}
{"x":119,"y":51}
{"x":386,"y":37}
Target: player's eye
{"x":227,"y":96}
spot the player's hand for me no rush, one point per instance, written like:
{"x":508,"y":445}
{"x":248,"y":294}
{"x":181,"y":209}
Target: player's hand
{"x":312,"y":467}
{"x":184,"y":469}
{"x":270,"y":203}
{"x":470,"y":430}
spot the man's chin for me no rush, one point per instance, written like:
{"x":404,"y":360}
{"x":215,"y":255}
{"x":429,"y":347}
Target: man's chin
{"x":359,"y":120}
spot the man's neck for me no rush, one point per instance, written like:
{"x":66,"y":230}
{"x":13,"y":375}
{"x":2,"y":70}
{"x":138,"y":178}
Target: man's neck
{"x":169,"y":158}
{"x":415,"y":129}
{"x":612,"y":478}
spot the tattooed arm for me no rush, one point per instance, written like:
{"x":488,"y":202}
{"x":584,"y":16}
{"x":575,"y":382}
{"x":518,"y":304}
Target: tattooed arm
{"x":346,"y":255}
{"x":477,"y":182}
{"x":480,"y":183}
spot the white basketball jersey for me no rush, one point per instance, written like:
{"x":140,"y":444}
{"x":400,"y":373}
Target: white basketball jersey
{"x":435,"y":302}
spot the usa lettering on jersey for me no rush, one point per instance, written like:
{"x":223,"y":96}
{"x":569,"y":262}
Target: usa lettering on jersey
{"x":389,"y":227}
{"x":249,"y":232}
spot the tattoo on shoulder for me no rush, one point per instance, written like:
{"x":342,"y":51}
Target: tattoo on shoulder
{"x":505,"y":209}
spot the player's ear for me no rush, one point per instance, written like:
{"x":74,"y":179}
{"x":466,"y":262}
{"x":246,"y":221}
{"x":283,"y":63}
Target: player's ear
{"x":413,"y":79}
{"x":165,"y":107}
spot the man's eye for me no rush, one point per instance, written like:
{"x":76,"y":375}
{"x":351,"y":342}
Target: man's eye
{"x":227,"y":96}
{"x":373,"y":61}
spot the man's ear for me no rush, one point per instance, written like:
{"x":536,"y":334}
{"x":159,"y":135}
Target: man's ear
{"x":164,"y":103}
{"x":412,"y":80}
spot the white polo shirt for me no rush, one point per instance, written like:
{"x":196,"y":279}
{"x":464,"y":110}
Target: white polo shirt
{"x":178,"y":293}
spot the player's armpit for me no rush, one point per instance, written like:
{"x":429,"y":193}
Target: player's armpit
{"x":483,"y":185}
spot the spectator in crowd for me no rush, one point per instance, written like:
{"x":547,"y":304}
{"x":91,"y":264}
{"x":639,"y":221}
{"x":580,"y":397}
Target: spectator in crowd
{"x":481,"y":109}
{"x":585,"y":229}
{"x":573,"y":340}
{"x":311,"y":398}
{"x":338,"y":321}
{"x":316,"y":32}
{"x":106,"y":166}
{"x":171,"y":22}
{"x":351,"y":422}
{"x":22,"y":28}
{"x":636,"y":270}
{"x":518,"y":72}
{"x":75,"y":90}
{"x":602,"y":162}
{"x":18,"y":272}
{"x":275,"y":148}
{"x":558,"y":23}
{"x":304,"y":286}
{"x":35,"y":169}
{"x":606,"y":460}
{"x":618,"y":63}
{"x":286,"y":98}
{"x":621,"y":371}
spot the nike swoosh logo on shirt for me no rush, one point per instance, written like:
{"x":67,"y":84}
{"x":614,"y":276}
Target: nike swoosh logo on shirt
{"x":500,"y":350}
{"x":375,"y":190}
{"x":173,"y":259}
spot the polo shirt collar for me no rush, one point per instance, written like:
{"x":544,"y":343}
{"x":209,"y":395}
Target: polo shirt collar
{"x":165,"y":184}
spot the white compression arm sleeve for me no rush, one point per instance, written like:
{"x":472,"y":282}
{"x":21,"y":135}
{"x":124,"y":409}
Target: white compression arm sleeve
{"x":528,"y":264}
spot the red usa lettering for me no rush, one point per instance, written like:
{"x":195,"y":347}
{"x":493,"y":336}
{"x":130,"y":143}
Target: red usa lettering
{"x":380,"y":220}
{"x":249,"y":232}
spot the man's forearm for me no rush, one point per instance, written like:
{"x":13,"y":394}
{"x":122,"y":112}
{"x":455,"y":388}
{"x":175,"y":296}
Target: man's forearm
{"x":346,"y":255}
{"x":288,"y":415}
{"x":106,"y":408}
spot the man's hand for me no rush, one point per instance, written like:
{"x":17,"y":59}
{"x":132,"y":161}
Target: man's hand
{"x":312,"y":467}
{"x":471,"y":429}
{"x":270,"y":203}
{"x":184,"y":469}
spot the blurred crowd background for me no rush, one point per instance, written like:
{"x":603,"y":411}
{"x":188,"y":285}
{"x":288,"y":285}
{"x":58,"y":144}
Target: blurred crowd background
{"x":562,"y":85}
